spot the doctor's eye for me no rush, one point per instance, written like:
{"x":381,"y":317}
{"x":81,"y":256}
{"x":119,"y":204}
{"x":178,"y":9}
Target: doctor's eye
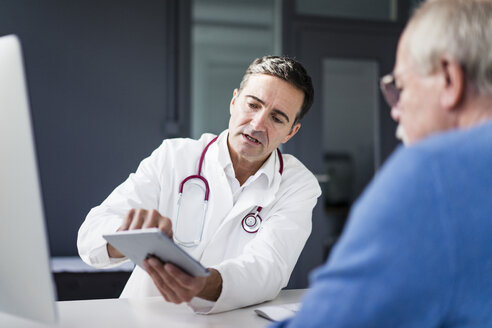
{"x":277,"y":119}
{"x":253,"y":105}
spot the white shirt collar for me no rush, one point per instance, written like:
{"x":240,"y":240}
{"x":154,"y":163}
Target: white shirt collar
{"x":267,"y":170}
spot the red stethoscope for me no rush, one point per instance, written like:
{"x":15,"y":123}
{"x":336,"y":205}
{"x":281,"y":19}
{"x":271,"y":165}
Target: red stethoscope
{"x":251,"y":222}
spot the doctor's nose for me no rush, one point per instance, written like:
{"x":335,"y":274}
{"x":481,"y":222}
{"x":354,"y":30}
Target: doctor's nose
{"x":258,"y":121}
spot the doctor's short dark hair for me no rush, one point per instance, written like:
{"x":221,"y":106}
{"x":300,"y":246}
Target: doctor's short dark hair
{"x":288,"y":70}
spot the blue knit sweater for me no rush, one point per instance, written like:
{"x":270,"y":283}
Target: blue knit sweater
{"x":417,"y":248}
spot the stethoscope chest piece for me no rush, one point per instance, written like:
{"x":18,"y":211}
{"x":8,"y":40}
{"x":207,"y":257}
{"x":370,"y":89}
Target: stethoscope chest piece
{"x":251,"y":223}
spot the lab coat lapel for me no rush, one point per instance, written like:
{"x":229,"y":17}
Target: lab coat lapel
{"x":225,"y":217}
{"x":250,"y":198}
{"x":256,"y":194}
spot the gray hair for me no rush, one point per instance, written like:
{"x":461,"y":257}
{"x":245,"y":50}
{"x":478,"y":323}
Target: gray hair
{"x":288,"y":70}
{"x":461,"y":29}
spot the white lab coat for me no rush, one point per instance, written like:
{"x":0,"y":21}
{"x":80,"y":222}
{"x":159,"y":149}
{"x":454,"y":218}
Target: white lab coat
{"x":254,"y":267}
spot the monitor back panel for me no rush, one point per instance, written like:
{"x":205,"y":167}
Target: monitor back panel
{"x":26,"y":285}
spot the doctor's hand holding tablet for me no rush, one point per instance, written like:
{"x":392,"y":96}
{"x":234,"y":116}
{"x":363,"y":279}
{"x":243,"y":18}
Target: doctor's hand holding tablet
{"x":174,"y":284}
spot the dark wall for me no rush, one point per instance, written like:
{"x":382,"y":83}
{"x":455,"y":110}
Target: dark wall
{"x":103,"y":87}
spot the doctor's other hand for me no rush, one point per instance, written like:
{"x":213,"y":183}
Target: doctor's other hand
{"x":142,"y":219}
{"x":177,"y":286}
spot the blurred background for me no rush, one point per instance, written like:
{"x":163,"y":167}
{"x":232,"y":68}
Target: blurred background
{"x":109,"y":80}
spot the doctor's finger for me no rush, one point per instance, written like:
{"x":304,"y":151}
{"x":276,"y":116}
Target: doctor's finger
{"x":152,"y":219}
{"x":154,"y":268}
{"x":186,"y":281}
{"x":138,"y":219}
{"x":166,"y":226}
{"x":128,"y":220}
{"x":184,"y":292}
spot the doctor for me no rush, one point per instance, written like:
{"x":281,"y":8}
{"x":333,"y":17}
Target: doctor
{"x":234,"y":201}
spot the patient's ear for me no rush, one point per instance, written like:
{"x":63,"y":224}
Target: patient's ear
{"x":453,"y":84}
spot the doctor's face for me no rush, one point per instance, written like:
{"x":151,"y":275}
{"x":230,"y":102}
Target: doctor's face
{"x":262,"y":117}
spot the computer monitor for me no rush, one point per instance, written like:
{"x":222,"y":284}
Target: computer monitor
{"x":26,"y":283}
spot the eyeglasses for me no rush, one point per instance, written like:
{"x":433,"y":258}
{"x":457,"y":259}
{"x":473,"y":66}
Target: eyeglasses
{"x":389,"y":89}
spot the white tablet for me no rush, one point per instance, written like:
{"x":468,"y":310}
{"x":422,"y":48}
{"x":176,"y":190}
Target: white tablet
{"x":140,"y":243}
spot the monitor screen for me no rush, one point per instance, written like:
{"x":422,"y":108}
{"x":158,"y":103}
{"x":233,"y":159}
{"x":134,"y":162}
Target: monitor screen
{"x":26,"y":283}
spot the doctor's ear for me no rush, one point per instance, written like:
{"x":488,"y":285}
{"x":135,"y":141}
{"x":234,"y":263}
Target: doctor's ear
{"x":292,"y":132}
{"x":234,"y":95}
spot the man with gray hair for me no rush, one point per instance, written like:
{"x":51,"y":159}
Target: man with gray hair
{"x":417,"y":248}
{"x":232,"y":201}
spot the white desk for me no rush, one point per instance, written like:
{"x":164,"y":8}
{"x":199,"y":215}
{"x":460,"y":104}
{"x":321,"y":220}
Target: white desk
{"x":75,"y":264}
{"x":148,"y":312}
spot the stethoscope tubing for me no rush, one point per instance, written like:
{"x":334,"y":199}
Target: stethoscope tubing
{"x":245,"y":222}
